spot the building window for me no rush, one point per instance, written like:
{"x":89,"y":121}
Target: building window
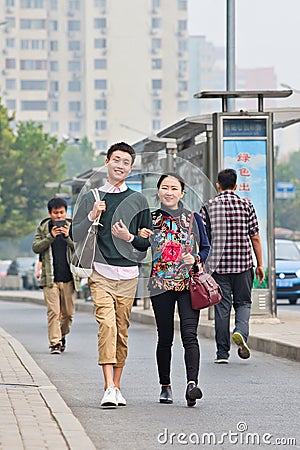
{"x":74,"y":46}
{"x":182,"y":5}
{"x":100,"y":43}
{"x":100,"y":125}
{"x":10,"y":63}
{"x":32,"y":4}
{"x":33,"y":64}
{"x":100,"y":4}
{"x":74,"y":106}
{"x":10,"y":42}
{"x":100,"y":23}
{"x":156,"y":84}
{"x":101,"y":104}
{"x":182,"y":66}
{"x":54,"y":86}
{"x":33,"y":44}
{"x":155,"y":4}
{"x":54,"y":106}
{"x":74,"y":4}
{"x":100,"y":64}
{"x":101,"y":145}
{"x":53,"y":46}
{"x":32,"y":24}
{"x":33,"y":105}
{"x":182,"y":45}
{"x":157,"y":104}
{"x":156,"y":44}
{"x":156,"y":63}
{"x":155,"y":23}
{"x":183,"y":86}
{"x":74,"y":86}
{"x":100,"y":84}
{"x":10,"y":83}
{"x":53,"y":5}
{"x":183,"y":106}
{"x":74,"y":126}
{"x":54,"y":127}
{"x":73,"y":25}
{"x":156,"y":125}
{"x":11,"y":104}
{"x":182,"y":25}
{"x":53,"y":25}
{"x":11,"y":22}
{"x":53,"y":66}
{"x":33,"y":85}
{"x":74,"y":66}
{"x":10,"y":3}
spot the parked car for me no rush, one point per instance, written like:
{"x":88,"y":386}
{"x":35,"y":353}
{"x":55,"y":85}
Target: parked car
{"x":287,"y":262}
{"x":25,"y":268}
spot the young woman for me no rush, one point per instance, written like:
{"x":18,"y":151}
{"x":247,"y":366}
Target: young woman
{"x":173,"y":257}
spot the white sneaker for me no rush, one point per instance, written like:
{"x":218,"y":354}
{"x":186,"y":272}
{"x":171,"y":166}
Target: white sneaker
{"x":120,"y":399}
{"x":109,"y":397}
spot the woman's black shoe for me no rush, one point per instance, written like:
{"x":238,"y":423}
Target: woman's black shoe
{"x":192,"y":393}
{"x":166,"y":395}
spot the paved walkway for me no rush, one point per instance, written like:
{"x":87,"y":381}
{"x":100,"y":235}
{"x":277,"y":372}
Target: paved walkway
{"x":35,"y":417}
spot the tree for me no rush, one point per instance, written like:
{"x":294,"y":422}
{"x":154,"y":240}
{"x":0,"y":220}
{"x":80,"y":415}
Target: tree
{"x":78,"y":158}
{"x":29,"y":161}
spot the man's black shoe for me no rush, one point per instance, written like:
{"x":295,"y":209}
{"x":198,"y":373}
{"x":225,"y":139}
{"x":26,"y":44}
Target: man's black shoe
{"x":192,"y":393}
{"x":166,"y":395}
{"x":63,"y":344}
{"x":55,"y":349}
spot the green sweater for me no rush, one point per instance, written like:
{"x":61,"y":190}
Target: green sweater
{"x":130,"y":206}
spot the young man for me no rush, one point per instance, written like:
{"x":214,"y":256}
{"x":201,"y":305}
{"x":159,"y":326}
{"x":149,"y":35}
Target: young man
{"x":53,"y":243}
{"x":115,"y":275}
{"x":234,"y":230}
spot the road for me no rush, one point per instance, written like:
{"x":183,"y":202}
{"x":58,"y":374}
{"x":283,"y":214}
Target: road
{"x":260,"y":394}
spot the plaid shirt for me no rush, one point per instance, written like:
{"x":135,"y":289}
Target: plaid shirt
{"x":233,"y":221}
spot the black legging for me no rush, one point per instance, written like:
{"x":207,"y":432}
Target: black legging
{"x":164,"y":307}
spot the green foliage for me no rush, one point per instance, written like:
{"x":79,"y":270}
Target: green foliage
{"x":29,"y":160}
{"x":287,"y":211}
{"x":78,"y":158}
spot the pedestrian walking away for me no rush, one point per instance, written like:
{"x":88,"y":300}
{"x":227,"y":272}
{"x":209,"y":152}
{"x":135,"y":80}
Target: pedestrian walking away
{"x":234,"y":232}
{"x":118,"y":252}
{"x":172,"y":258}
{"x":55,"y":248}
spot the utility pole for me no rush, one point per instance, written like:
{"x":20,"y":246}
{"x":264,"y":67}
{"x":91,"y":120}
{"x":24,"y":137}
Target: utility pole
{"x":230,"y":51}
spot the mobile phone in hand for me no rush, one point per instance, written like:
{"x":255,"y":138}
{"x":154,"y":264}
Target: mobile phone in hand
{"x":59,"y":223}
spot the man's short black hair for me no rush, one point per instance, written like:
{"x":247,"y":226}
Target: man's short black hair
{"x":123,"y":147}
{"x":227,"y":179}
{"x":57,"y":202}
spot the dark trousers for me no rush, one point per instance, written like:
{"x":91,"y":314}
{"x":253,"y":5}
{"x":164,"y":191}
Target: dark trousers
{"x":164,"y":308}
{"x":236,"y":292}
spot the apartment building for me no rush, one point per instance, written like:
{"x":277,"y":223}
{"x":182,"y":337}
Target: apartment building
{"x":106,"y":69}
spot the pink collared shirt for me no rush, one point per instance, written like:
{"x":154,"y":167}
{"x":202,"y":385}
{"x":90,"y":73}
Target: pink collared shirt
{"x":116,"y":272}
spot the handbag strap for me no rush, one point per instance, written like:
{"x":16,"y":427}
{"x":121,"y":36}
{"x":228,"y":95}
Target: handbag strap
{"x":190,"y":231}
{"x":97,"y":199}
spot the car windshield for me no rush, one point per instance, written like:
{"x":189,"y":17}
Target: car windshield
{"x":287,"y":251}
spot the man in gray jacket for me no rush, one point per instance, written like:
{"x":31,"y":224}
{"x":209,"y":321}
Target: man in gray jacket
{"x":53,"y":242}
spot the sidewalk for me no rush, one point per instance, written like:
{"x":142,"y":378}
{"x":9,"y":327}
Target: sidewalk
{"x":33,"y":414}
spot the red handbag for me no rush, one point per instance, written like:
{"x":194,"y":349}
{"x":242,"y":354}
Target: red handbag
{"x":204,"y":290}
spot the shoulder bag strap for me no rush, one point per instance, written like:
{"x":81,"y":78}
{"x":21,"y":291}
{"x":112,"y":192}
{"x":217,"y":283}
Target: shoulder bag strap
{"x":189,"y":232}
{"x":97,"y":199}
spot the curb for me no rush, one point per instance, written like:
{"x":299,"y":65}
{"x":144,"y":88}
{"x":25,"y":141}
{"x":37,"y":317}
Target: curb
{"x":70,"y":427}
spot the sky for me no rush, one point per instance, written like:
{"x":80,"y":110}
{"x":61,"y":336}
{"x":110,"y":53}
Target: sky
{"x":267,"y":34}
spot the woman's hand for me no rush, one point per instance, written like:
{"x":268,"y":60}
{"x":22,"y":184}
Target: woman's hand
{"x":145,"y":233}
{"x":188,"y":259}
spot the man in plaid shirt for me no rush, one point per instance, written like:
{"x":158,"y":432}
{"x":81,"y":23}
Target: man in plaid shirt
{"x":234,"y":230}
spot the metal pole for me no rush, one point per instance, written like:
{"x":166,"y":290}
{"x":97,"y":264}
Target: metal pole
{"x":230,"y":51}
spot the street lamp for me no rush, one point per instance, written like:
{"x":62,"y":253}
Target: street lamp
{"x":287,"y":86}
